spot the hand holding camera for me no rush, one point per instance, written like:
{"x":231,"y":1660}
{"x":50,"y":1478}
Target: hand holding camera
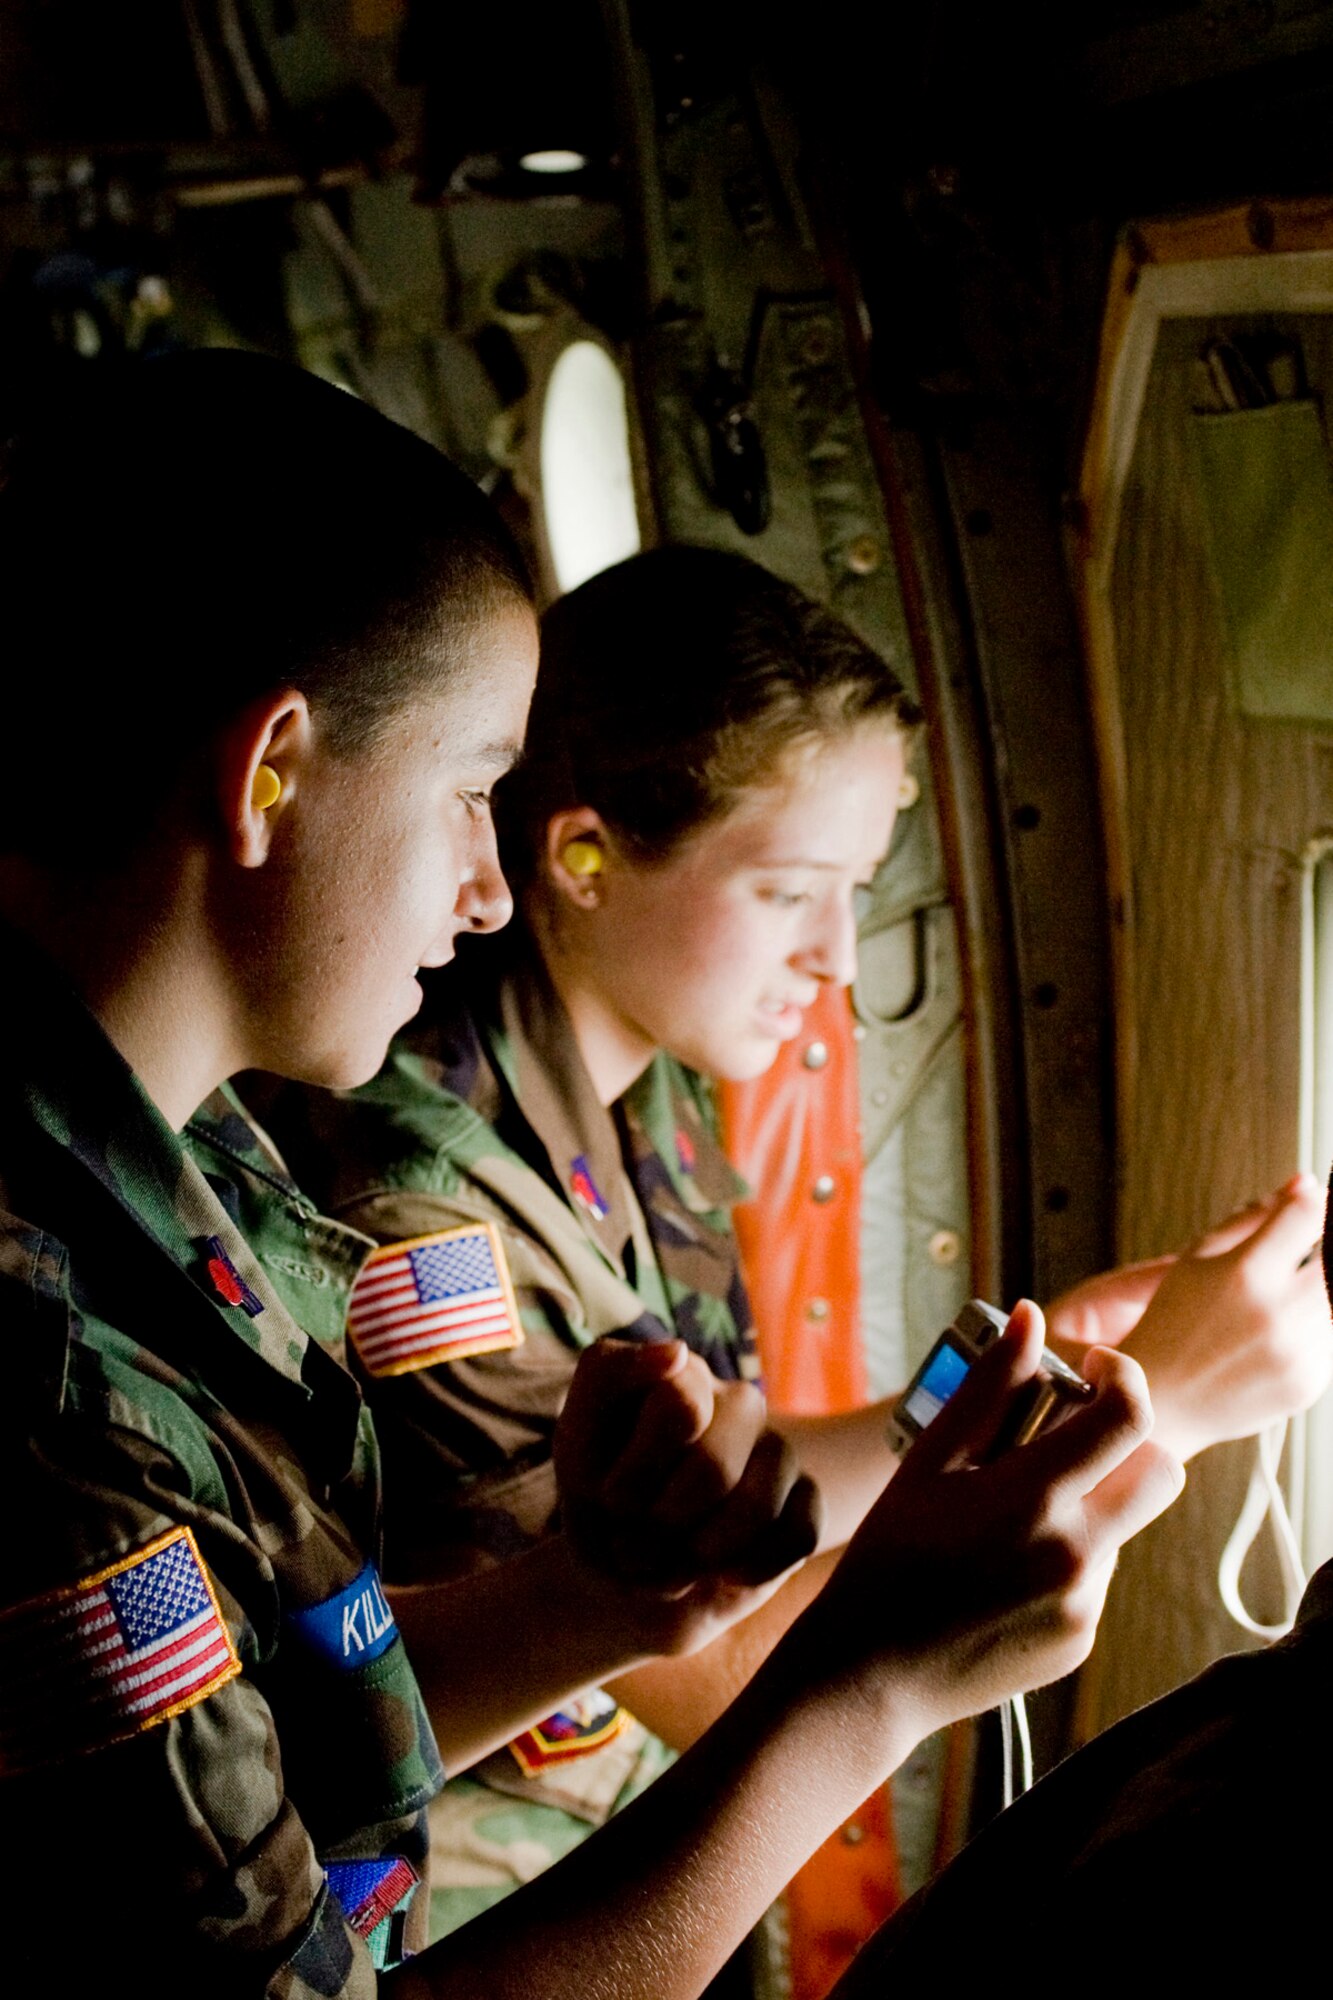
{"x":982,"y":1570}
{"x":1053,"y":1392}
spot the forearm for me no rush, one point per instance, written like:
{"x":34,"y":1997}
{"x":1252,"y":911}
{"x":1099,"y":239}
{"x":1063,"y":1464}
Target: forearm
{"x":679,"y":1699}
{"x":849,"y":1459}
{"x":652,"y":1906}
{"x":496,"y":1651}
{"x":969,"y":1581}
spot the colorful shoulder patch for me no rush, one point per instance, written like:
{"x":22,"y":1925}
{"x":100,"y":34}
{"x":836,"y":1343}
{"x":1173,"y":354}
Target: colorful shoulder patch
{"x":372,"y":1893}
{"x":580,"y":1727}
{"x":351,"y":1628}
{"x":433,"y":1298}
{"x":122,"y":1650}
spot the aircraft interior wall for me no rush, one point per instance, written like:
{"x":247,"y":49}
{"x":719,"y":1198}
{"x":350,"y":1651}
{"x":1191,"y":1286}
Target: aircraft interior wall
{"x":1223,"y":811}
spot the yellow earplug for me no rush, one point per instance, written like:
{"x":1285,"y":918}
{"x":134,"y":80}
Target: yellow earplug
{"x":267,"y":789}
{"x":582,"y":857}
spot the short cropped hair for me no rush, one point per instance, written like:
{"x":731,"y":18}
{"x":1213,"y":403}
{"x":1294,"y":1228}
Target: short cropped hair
{"x":673,"y":684}
{"x":184,"y":534}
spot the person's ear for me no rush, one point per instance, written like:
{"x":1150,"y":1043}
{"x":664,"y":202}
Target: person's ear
{"x":263,"y":753}
{"x":578,"y":854}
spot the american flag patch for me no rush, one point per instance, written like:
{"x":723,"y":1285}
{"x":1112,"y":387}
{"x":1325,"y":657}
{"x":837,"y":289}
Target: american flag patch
{"x":108,"y":1657}
{"x":433,"y":1298}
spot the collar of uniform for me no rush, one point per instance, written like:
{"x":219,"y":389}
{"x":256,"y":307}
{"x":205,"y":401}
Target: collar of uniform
{"x":34,"y":1276}
{"x":312,"y":1260}
{"x":85,"y":1101}
{"x":536,"y":1052}
{"x":672,"y":1108}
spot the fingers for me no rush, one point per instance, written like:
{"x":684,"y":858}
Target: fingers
{"x":1236,"y":1228}
{"x":1133,"y":1493}
{"x":668,"y":1475}
{"x":793,"y":1537}
{"x":969,"y":1425}
{"x":709,"y":1473}
{"x":666,"y":1453}
{"x":608,"y":1399}
{"x":1098,"y":1436}
{"x":1103,"y":1310}
{"x":1291,"y":1226}
{"x":769,"y":1520}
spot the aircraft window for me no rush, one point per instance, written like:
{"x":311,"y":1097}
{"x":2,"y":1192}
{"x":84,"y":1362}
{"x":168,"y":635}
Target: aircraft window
{"x":554,"y":160}
{"x":586,"y":478}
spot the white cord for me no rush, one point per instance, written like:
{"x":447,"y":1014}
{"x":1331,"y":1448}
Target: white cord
{"x":1006,"y":1755}
{"x":1024,"y":1735}
{"x":1014,"y":1727}
{"x":1264,"y":1500}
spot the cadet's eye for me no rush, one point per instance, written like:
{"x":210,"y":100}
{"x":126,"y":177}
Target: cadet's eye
{"x":477,"y":804}
{"x":785,"y":899}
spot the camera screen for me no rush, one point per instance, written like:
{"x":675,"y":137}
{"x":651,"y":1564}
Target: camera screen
{"x":944,"y":1370}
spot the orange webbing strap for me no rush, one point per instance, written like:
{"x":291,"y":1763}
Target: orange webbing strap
{"x":840,"y":1898}
{"x":794,"y":1134}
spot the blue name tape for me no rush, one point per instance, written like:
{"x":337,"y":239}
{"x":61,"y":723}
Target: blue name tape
{"x":352,"y":1628}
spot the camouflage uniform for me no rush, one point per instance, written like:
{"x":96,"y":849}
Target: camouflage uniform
{"x":178,"y":1444}
{"x":611,"y":1222}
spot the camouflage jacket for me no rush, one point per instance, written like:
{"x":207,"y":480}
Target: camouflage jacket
{"x":610,"y":1221}
{"x":214,"y":1749}
{"x":606,"y":1222}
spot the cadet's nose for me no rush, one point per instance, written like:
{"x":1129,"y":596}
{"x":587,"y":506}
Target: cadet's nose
{"x":829,"y":952}
{"x":484,"y":901}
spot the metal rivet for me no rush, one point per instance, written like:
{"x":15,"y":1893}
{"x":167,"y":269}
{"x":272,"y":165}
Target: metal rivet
{"x":816,"y":1055}
{"x":824,"y":1188}
{"x":945,"y":1246}
{"x":858,"y":1031}
{"x":909,"y":791}
{"x":864,"y":555}
{"x":879,"y":1097}
{"x":853,"y":1834}
{"x":898,"y":1068}
{"x":817,"y":1309}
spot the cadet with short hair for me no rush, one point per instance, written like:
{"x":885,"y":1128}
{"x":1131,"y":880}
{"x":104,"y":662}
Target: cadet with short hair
{"x":262,"y":690}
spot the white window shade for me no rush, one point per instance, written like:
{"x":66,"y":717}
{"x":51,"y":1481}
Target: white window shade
{"x":587,"y":484}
